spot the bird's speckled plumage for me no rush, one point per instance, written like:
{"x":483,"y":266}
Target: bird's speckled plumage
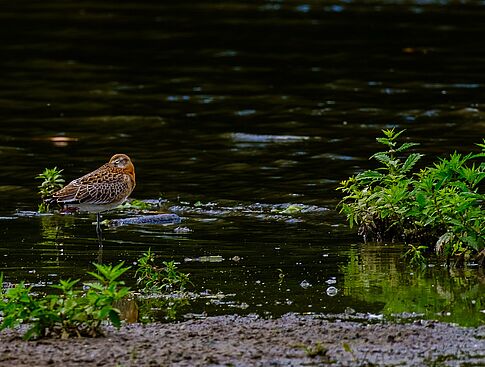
{"x":100,"y":190}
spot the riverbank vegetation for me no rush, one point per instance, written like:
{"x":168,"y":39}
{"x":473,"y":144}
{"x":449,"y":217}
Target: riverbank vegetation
{"x":71,"y":312}
{"x":80,"y":311}
{"x":440,"y":207}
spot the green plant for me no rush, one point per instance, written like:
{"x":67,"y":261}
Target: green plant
{"x":52,"y":181}
{"x":316,"y":350}
{"x":438,"y":206}
{"x":156,"y":279}
{"x":349,"y":349}
{"x":447,"y":200}
{"x":374,"y":197}
{"x":19,"y":306}
{"x":415,"y":255}
{"x":290,"y":209}
{"x":103,"y":293}
{"x":137,"y":204}
{"x":72,"y":312}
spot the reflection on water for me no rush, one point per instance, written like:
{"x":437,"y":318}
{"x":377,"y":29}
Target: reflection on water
{"x":242,"y":117}
{"x":162,"y":308}
{"x":436,"y":292}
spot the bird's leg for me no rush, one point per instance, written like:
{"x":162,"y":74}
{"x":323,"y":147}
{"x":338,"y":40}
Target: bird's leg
{"x":100,"y":253}
{"x":99,"y":231}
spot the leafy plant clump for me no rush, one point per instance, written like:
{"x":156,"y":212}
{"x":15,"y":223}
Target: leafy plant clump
{"x":440,"y":207}
{"x":137,"y":205}
{"x":72,"y":312}
{"x":52,"y":181}
{"x":160,"y":279}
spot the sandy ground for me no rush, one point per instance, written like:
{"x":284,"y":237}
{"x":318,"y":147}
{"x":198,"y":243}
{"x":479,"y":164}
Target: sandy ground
{"x":292,"y":340}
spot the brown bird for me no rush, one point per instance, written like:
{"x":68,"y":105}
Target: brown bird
{"x":101,"y":190}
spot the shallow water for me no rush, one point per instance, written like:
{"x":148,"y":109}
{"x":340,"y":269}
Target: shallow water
{"x":246,"y":108}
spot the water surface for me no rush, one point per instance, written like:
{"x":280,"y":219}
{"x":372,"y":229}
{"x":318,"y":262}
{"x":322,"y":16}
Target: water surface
{"x":246,"y":108}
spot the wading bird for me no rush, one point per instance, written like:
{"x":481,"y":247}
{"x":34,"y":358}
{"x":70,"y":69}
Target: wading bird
{"x":101,"y":190}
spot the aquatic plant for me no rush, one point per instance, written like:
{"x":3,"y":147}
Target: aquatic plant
{"x":159,"y":279}
{"x":163,"y":288}
{"x":72,"y":312}
{"x":415,"y":255}
{"x":52,"y":181}
{"x":438,"y":207}
{"x":290,"y":209}
{"x":137,"y":205}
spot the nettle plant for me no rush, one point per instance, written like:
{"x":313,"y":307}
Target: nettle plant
{"x":71,"y":312}
{"x":440,"y":207}
{"x":52,"y":181}
{"x":160,"y":279}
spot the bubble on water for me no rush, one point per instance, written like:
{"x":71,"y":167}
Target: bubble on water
{"x":305,"y":284}
{"x":332,"y":291}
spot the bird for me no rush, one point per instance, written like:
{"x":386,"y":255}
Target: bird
{"x":100,"y":190}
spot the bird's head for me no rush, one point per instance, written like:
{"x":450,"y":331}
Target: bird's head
{"x":122,"y":161}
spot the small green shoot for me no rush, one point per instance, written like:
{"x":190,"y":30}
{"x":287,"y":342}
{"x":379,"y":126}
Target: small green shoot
{"x":349,"y":349}
{"x":316,"y":350}
{"x":289,"y":210}
{"x":137,"y":205}
{"x":292,"y":209}
{"x":160,"y":279}
{"x":52,"y":181}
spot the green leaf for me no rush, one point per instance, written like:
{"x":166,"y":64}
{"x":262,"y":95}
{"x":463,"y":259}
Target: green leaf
{"x":421,"y":199}
{"x":369,"y":175}
{"x":381,"y":157}
{"x":406,"y":146}
{"x":478,"y":155}
{"x":384,"y":141}
{"x":410,"y":162}
{"x":97,"y":276}
{"x":114,"y":317}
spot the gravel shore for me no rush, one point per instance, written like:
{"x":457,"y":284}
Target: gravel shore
{"x":292,"y":340}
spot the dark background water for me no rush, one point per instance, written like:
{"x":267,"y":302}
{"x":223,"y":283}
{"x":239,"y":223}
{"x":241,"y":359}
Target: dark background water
{"x":247,"y":106}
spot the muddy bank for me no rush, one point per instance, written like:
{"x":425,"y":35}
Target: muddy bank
{"x":292,"y":340}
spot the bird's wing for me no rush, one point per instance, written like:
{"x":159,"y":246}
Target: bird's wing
{"x":98,"y":187}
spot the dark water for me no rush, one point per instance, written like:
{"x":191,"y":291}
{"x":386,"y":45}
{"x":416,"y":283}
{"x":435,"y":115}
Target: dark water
{"x":246,"y":107}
